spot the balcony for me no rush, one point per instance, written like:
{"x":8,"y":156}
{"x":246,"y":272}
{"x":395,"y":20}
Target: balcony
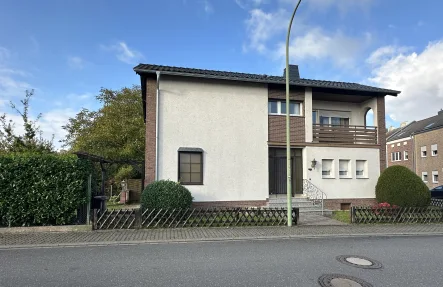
{"x":335,"y":134}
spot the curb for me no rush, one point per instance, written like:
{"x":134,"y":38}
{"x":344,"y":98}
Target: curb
{"x":208,"y":240}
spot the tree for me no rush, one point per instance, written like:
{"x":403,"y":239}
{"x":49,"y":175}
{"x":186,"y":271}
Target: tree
{"x":115,"y":131}
{"x":32,"y":139}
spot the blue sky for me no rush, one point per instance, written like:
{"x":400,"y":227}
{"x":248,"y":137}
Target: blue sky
{"x":68,"y":50}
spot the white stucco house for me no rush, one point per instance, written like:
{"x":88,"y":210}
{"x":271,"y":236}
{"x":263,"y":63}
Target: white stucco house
{"x":222,"y":135}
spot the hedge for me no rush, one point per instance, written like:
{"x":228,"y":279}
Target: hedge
{"x":397,"y":185}
{"x":166,"y":194}
{"x":41,"y":189}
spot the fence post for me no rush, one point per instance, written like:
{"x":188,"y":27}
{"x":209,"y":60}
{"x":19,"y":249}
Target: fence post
{"x":138,"y":219}
{"x":352,"y":214}
{"x":88,"y":204}
{"x":94,"y":219}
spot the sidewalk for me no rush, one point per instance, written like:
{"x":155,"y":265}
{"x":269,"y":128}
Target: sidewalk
{"x":113,"y":237}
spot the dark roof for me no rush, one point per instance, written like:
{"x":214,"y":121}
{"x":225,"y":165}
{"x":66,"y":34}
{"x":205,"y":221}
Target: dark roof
{"x":417,"y":127}
{"x":235,"y":76}
{"x":190,"y":149}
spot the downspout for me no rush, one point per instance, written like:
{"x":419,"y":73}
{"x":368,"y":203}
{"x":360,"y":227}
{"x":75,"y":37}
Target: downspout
{"x":156,"y":125}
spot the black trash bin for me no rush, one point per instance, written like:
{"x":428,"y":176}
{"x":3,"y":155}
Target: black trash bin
{"x":99,"y":202}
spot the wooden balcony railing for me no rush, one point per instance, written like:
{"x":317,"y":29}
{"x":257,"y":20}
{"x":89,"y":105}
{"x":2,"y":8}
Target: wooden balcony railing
{"x":344,"y":134}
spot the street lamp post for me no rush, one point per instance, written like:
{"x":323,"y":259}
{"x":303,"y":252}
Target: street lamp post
{"x":288,"y":138}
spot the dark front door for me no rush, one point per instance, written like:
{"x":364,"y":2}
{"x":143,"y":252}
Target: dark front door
{"x":277,"y":171}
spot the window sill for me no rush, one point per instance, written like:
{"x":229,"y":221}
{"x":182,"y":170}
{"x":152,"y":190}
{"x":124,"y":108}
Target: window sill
{"x":328,"y":177}
{"x":190,"y":183}
{"x":284,"y":115}
{"x":345,"y":177}
{"x":362,"y":177}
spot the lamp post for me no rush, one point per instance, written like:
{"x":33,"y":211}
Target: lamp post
{"x":288,"y":138}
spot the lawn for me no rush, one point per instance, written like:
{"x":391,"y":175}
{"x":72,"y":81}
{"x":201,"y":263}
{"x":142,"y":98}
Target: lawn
{"x":342,"y":215}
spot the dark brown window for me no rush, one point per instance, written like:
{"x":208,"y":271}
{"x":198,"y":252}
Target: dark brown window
{"x":190,"y":167}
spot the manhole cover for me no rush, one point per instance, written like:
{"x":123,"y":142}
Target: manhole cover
{"x":359,"y":261}
{"x":340,"y":280}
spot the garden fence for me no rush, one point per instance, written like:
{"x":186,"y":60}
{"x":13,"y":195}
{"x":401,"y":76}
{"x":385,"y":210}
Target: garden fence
{"x":193,"y":217}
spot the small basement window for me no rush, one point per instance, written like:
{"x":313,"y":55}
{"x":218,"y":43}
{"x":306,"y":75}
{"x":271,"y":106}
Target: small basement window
{"x":190,"y":166}
{"x":327,"y":168}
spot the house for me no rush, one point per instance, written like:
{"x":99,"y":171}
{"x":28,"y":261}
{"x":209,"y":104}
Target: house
{"x":222,"y":135}
{"x":416,"y":146}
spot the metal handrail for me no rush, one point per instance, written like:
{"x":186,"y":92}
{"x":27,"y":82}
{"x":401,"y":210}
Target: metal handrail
{"x":314,"y":193}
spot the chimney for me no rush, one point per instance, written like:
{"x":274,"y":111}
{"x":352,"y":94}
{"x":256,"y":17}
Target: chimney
{"x":403,"y":124}
{"x":440,"y":112}
{"x":293,"y":73}
{"x":391,"y":128}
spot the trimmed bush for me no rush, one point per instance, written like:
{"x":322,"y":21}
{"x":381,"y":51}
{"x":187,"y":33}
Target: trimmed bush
{"x":41,"y":189}
{"x":397,"y":185}
{"x":166,"y":194}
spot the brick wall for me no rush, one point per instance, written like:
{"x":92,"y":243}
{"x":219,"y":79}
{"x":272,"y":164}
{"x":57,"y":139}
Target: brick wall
{"x":381,"y":130}
{"x":430,"y":163}
{"x":335,"y":204}
{"x":277,"y":123}
{"x":401,"y":147}
{"x":135,"y":189}
{"x":250,"y":203}
{"x":151,"y":92}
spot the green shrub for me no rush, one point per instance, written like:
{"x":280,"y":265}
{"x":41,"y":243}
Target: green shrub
{"x":397,"y":185}
{"x":41,"y":189}
{"x":166,"y":194}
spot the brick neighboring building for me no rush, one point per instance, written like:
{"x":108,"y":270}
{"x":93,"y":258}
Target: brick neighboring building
{"x":415,"y":146}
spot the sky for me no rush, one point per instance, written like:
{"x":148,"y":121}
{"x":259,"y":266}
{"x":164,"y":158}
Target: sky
{"x":67,"y":50}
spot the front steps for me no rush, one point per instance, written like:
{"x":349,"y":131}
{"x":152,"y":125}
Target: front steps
{"x":303,"y":203}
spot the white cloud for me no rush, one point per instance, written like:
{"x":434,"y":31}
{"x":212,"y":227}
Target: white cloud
{"x":75,"y":62}
{"x":262,"y":26}
{"x":383,"y":54}
{"x":10,"y":85}
{"x":343,"y":6}
{"x":418,"y":76}
{"x":317,"y":44}
{"x":4,"y":54}
{"x":208,"y":7}
{"x":124,"y":53}
{"x":52,"y":121}
{"x":248,"y":4}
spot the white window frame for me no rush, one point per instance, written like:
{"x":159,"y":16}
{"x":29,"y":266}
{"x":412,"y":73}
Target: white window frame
{"x":364,"y":172}
{"x":434,"y":173}
{"x":423,"y":174}
{"x":434,"y":149}
{"x":331,"y":170}
{"x":279,"y":113}
{"x":348,"y":168}
{"x":405,"y":155}
{"x":405,"y":143}
{"x":423,"y":149}
{"x":396,"y":156}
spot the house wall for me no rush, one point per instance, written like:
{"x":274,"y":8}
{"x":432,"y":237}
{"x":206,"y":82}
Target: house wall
{"x":430,"y":163}
{"x":229,"y":121}
{"x":402,"y":145}
{"x":344,"y":188}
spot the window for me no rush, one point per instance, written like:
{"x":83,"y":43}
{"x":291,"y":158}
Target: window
{"x":314,"y":117}
{"x":392,"y":145}
{"x":424,"y":176}
{"x":334,"y":121}
{"x":279,"y":108}
{"x":327,"y":168}
{"x":396,"y":156}
{"x":434,"y":151}
{"x":344,"y":168}
{"x":406,"y":155}
{"x":190,"y":166}
{"x":398,"y":144}
{"x":405,"y":143}
{"x":435,"y":176}
{"x":423,"y":151}
{"x":361,"y":169}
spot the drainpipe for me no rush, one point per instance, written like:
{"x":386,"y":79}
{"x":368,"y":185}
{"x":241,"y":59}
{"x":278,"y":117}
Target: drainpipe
{"x":156,"y":125}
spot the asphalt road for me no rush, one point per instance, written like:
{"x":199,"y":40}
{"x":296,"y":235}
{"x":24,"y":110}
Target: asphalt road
{"x":407,"y":261}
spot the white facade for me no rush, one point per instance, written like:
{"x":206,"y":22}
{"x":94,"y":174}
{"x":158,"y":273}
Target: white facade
{"x":355,"y":186}
{"x":229,"y":121}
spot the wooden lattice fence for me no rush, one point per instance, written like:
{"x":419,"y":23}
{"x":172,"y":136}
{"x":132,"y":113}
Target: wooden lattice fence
{"x":195,"y":217}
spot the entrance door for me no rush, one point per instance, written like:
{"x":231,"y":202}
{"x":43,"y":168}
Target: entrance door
{"x":277,"y":171}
